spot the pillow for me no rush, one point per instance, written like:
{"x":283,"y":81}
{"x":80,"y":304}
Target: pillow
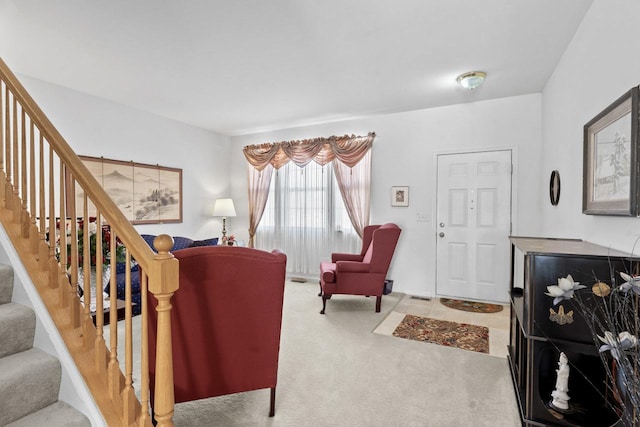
{"x":181,"y":243}
{"x":178,"y":241}
{"x":206,"y":242}
{"x":121,"y":267}
{"x":149,"y":239}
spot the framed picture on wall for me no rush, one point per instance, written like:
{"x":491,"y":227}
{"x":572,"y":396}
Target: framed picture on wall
{"x":399,"y":196}
{"x":146,"y":194}
{"x":610,"y":164}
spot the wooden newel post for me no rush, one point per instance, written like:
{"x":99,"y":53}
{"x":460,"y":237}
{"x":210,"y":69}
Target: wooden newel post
{"x":163,"y":283}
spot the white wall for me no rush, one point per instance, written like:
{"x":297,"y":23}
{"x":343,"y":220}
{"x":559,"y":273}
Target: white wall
{"x":600,"y":65}
{"x":404,"y":153}
{"x":97,"y":127}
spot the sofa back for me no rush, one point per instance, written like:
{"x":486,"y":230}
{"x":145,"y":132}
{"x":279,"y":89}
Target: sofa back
{"x":225,"y":321}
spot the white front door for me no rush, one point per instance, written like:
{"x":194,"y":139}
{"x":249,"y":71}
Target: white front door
{"x":473,"y":225}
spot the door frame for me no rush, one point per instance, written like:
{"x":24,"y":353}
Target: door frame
{"x":434,"y":207}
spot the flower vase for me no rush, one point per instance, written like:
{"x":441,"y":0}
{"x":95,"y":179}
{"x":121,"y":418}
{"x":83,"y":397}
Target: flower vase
{"x":80,"y":281}
{"x":92,"y":280}
{"x":106,"y":276}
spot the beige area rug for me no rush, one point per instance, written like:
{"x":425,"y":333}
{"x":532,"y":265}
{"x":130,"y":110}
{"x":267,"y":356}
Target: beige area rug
{"x":496,"y":323}
{"x":444,"y":332}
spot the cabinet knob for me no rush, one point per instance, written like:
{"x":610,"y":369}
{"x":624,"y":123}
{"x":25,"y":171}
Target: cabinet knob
{"x":441,"y":234}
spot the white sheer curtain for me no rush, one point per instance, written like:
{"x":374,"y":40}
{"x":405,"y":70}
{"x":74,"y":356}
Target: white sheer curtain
{"x":354,"y":184}
{"x":305,"y":218}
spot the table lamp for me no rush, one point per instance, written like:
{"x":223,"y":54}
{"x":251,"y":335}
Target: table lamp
{"x":224,"y":208}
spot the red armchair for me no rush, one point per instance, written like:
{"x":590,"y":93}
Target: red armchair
{"x":225,"y":322}
{"x":364,"y":273}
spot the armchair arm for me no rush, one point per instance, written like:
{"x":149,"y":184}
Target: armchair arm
{"x":335,"y":257}
{"x":352,"y":267}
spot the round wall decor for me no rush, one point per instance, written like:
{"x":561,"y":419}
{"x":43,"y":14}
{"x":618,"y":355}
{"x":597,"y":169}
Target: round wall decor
{"x":554,"y":187}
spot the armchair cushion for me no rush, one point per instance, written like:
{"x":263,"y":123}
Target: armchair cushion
{"x":352,"y":267}
{"x":328,"y":271}
{"x":335,"y":257}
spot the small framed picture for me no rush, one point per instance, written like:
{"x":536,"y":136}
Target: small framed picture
{"x":399,"y":196}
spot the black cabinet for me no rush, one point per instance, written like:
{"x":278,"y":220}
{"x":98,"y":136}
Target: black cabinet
{"x":537,"y":335}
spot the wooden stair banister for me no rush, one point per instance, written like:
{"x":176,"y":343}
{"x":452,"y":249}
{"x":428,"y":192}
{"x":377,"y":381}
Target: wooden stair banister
{"x":31,"y":152}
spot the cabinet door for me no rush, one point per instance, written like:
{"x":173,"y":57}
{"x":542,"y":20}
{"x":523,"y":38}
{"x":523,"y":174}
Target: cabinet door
{"x":587,"y":386}
{"x":544,"y":271}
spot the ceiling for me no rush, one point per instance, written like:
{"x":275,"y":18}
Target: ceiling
{"x":238,"y":67}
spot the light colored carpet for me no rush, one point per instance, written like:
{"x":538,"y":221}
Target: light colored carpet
{"x":334,"y":371}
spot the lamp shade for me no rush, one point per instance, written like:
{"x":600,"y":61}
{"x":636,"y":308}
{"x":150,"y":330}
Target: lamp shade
{"x":224,"y":207}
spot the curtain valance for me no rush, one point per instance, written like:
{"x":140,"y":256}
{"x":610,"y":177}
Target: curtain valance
{"x":347,"y":149}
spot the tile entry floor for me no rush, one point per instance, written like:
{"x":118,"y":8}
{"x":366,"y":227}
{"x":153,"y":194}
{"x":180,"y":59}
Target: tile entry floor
{"x":498,"y":323}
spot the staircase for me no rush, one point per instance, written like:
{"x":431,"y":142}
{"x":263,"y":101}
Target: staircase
{"x":29,"y":377}
{"x":42,"y":180}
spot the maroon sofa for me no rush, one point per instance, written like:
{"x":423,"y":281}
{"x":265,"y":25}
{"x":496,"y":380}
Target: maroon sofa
{"x":225,"y":322}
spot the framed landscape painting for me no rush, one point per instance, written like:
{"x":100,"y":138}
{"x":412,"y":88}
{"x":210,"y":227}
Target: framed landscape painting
{"x":146,"y":194}
{"x":610,"y":164}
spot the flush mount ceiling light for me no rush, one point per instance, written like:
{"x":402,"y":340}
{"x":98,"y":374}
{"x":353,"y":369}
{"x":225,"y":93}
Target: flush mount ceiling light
{"x":472,"y":79}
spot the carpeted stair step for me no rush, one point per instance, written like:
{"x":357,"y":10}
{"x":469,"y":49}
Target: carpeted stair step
{"x":17,"y":328}
{"x":29,"y":381}
{"x":6,"y":283}
{"x":59,"y":414}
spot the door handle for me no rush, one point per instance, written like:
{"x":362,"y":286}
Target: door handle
{"x":441,"y":234}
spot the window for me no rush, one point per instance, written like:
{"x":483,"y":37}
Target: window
{"x":305,"y":218}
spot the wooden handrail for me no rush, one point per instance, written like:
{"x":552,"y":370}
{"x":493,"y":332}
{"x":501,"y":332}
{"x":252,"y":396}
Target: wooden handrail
{"x":20,"y":180}
{"x":127,"y":233}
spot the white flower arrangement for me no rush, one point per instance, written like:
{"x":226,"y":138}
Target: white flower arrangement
{"x":615,"y":325}
{"x":564,"y":290}
{"x":617,"y":345}
{"x":630,"y":283}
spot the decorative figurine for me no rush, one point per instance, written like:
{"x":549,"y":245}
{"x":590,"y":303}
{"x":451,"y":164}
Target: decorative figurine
{"x":561,"y":318}
{"x":560,"y":397}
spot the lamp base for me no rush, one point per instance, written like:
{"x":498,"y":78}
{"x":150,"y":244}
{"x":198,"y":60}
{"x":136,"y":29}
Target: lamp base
{"x":223,"y":239}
